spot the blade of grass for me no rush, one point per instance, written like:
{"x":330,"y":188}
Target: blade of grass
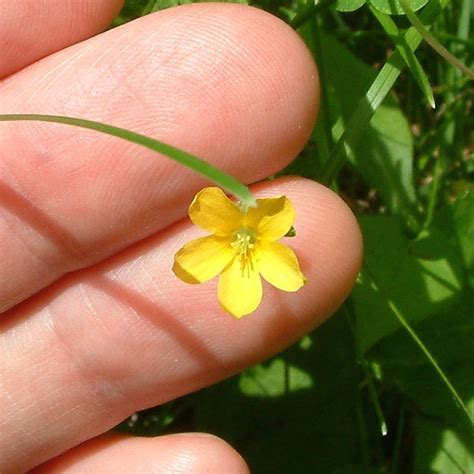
{"x":201,"y":167}
{"x":377,"y":92}
{"x":412,"y":333}
{"x":433,"y":42}
{"x":406,"y":53}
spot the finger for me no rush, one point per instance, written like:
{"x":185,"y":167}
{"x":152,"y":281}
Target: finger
{"x":127,"y":334}
{"x":32,"y":30}
{"x":229,"y":83}
{"x":183,"y":453}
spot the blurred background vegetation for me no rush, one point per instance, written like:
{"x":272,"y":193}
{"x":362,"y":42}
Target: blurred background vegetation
{"x":387,"y":384}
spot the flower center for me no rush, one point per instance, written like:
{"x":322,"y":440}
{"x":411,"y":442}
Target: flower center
{"x":244,"y":243}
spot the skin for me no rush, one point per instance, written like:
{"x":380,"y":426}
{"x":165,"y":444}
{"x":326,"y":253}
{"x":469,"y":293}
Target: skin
{"x":94,"y":324}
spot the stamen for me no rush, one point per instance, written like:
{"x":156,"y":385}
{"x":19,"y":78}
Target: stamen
{"x":244,"y":243}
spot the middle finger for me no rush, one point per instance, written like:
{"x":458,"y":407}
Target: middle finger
{"x":126,"y":334}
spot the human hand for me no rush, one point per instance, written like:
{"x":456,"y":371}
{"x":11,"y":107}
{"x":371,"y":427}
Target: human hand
{"x":95,"y":326}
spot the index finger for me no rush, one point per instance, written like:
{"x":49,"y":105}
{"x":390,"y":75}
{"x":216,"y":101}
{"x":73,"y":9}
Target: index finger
{"x":231,"y":84}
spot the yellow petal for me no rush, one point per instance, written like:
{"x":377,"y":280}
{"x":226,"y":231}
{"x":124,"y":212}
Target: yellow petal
{"x":272,"y":218}
{"x":202,"y":259}
{"x":213,"y":211}
{"x":278,"y":264}
{"x":239,"y":290}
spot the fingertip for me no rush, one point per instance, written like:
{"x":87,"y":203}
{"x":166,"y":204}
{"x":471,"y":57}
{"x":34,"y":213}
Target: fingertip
{"x":32,"y":30}
{"x":178,"y":453}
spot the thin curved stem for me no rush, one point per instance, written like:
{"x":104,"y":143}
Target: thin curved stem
{"x":224,"y":180}
{"x":433,"y":42}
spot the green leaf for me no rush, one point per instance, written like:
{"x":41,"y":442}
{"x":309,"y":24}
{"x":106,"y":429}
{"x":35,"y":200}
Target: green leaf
{"x":274,"y":379}
{"x":406,"y":53}
{"x":441,"y":449}
{"x":425,"y":283}
{"x":347,"y":5}
{"x":462,"y":224}
{"x":393,"y":7}
{"x":351,"y":134}
{"x":385,"y":153}
{"x":201,"y":167}
{"x":421,"y":276}
{"x":418,"y":280}
{"x":448,"y":335}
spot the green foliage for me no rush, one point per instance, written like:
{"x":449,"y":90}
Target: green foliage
{"x":427,"y":274}
{"x":384,"y":152}
{"x":393,"y":7}
{"x":406,"y":53}
{"x":348,"y":5}
{"x":377,"y":388}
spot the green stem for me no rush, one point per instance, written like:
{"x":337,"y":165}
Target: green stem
{"x":222,"y":179}
{"x":375,"y":400}
{"x":434,"y":192}
{"x":433,"y":42}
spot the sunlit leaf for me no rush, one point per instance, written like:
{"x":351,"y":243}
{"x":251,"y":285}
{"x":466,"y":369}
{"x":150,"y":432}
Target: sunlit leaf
{"x":347,"y":5}
{"x":393,"y":7}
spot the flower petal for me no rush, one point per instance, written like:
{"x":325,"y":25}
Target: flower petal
{"x":213,"y":211}
{"x":272,"y":218}
{"x":239,"y":290}
{"x":202,"y":259}
{"x":278,"y":264}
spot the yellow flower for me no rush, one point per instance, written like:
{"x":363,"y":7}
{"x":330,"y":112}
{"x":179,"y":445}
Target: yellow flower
{"x":242,"y":248}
